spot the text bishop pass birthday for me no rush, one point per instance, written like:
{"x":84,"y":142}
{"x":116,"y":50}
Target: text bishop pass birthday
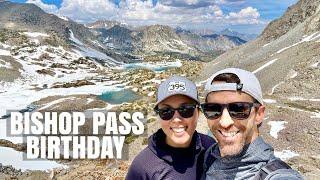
{"x":53,"y":135}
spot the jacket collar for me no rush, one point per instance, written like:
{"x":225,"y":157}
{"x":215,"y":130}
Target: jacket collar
{"x":157,"y":144}
{"x":256,"y":151}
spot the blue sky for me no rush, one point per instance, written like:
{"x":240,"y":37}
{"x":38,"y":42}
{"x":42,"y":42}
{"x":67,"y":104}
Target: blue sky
{"x":246,"y":16}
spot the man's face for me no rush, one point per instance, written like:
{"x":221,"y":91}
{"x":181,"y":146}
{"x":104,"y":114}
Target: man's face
{"x":178,"y":130}
{"x":233,"y":134}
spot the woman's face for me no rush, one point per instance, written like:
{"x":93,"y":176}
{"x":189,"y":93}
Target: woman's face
{"x":178,"y":130}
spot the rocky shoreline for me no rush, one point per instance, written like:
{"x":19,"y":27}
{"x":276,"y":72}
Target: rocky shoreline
{"x":9,"y":171}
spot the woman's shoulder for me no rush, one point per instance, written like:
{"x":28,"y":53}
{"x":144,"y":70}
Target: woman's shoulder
{"x":144,"y":156}
{"x":144,"y":165}
{"x":139,"y":166}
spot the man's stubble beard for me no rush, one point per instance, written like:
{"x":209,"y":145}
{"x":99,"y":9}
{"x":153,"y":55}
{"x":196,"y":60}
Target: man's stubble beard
{"x":232,"y":149}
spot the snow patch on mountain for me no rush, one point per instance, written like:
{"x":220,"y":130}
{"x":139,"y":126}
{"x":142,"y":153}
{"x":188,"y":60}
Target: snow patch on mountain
{"x":269,"y":101}
{"x":265,"y":65}
{"x":4,"y":64}
{"x":276,"y":127}
{"x":285,"y":154}
{"x":311,"y":37}
{"x":74,"y":39}
{"x":4,"y":45}
{"x":4,"y":52}
{"x":35,"y":34}
{"x":86,"y":51}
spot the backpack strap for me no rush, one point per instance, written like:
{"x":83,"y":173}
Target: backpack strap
{"x":271,"y":167}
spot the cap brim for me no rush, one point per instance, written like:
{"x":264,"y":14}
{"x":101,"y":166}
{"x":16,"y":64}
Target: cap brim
{"x":166,"y":97}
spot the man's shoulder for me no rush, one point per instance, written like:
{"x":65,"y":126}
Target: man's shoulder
{"x":277,"y":169}
{"x":284,"y":174}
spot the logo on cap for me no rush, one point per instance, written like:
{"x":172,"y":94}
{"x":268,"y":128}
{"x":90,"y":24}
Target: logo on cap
{"x":177,"y":86}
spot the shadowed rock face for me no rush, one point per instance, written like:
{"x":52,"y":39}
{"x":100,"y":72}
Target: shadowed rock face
{"x":293,"y":16}
{"x":31,"y":17}
{"x":120,"y":37}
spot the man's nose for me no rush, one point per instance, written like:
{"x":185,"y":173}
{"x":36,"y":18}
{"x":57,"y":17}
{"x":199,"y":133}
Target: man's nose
{"x":225,"y":119}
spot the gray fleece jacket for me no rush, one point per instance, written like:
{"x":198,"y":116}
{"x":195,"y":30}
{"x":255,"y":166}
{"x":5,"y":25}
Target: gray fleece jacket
{"x":247,"y":164}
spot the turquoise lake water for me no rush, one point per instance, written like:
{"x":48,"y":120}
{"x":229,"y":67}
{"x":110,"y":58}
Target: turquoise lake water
{"x":136,"y":66}
{"x":118,"y":97}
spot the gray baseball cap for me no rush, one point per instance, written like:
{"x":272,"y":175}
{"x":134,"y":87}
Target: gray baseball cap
{"x":248,"y":84}
{"x":177,"y":85}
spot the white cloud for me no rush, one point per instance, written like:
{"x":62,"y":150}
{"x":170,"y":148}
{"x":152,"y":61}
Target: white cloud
{"x":248,"y":12}
{"x":46,"y":7}
{"x":163,"y":14}
{"x":183,"y":2}
{"x":85,"y":11}
{"x":191,"y":1}
{"x":185,"y":13}
{"x":217,"y":11}
{"x":248,"y":15}
{"x":229,"y":1}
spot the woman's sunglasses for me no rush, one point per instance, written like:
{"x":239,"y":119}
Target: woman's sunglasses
{"x":185,"y":111}
{"x":237,"y":110}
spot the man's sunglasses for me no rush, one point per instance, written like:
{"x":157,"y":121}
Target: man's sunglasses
{"x":237,"y":110}
{"x":185,"y":111}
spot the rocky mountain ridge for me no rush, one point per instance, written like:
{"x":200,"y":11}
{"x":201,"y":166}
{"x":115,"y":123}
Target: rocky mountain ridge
{"x":295,"y":14}
{"x":30,"y":17}
{"x":160,"y":38}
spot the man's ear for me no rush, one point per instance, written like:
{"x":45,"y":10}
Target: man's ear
{"x":260,"y":114}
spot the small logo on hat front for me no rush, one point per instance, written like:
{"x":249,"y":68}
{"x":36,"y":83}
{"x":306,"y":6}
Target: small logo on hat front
{"x":177,"y":86}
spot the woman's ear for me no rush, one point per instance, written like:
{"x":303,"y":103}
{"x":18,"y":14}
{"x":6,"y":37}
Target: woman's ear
{"x":260,"y":114}
{"x":198,"y":111}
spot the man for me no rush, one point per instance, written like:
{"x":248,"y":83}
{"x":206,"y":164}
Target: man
{"x":176,"y":151}
{"x":234,"y":109}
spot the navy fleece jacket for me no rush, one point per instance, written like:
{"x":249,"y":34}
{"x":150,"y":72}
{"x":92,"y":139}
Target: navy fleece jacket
{"x":161,"y":161}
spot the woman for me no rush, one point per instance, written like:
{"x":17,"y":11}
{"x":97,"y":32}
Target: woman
{"x":176,"y":151}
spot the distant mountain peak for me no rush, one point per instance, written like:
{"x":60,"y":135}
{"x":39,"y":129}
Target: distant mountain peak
{"x":181,"y":30}
{"x":230,"y":32}
{"x":107,"y":24}
{"x":227,"y":30}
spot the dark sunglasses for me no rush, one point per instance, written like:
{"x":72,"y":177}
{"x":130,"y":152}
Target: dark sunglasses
{"x":237,"y":110}
{"x":185,"y":111}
